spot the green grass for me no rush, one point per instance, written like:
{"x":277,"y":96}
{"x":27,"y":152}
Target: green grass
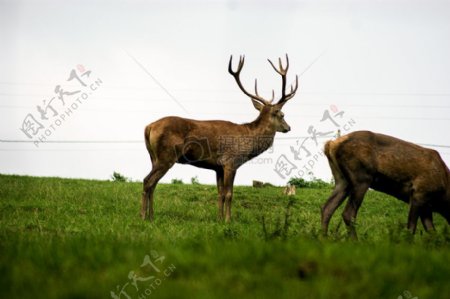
{"x":62,"y":238}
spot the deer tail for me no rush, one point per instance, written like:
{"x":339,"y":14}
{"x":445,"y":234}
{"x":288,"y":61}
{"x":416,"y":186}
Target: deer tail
{"x":148,"y":145}
{"x":326,"y":148}
{"x":330,"y":149}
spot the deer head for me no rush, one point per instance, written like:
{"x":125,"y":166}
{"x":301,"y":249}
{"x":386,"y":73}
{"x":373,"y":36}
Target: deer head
{"x":268,"y":111}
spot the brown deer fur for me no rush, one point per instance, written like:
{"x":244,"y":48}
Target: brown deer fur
{"x":218,"y":145}
{"x":411,"y":173}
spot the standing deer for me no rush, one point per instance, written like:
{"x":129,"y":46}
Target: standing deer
{"x":218,"y":145}
{"x":411,"y":173}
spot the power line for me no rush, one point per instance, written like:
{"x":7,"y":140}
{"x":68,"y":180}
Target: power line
{"x":239,"y":102}
{"x":157,"y":82}
{"x":74,"y":150}
{"x":142,"y":141}
{"x":434,"y":145}
{"x":313,"y":93}
{"x":346,"y":93}
{"x":72,"y":141}
{"x":219,"y":114}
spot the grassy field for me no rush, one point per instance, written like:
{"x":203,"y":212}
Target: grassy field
{"x":63,"y":238}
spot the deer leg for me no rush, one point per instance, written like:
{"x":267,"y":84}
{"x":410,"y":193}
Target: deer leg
{"x":334,"y":201}
{"x":228,"y":180}
{"x":426,"y":216}
{"x":150,"y":182}
{"x":352,"y":207}
{"x":418,"y":208}
{"x":145,"y":199}
{"x":220,"y":190}
{"x":413,"y":216}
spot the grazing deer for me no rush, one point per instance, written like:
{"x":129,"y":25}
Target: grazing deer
{"x":218,"y":145}
{"x":411,"y":173}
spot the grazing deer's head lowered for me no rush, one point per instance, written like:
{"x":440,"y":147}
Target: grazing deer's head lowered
{"x":414,"y":174}
{"x":218,"y":145}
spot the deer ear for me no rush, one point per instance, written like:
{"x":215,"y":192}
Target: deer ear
{"x":258,"y":106}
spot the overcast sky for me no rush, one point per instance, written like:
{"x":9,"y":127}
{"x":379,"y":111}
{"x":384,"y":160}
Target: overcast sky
{"x":384,"y":64}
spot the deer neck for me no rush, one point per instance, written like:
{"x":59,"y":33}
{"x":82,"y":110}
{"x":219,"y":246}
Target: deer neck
{"x":263,"y":133}
{"x":261,"y":126}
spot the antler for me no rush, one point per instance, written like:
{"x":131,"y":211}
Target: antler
{"x":236,"y":75}
{"x":282,"y":71}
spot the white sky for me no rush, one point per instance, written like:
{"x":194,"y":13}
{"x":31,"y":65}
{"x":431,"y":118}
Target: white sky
{"x":385,"y":64}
